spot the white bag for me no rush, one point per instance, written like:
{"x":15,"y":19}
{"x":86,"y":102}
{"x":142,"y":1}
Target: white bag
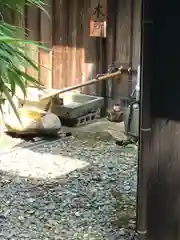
{"x":33,"y":121}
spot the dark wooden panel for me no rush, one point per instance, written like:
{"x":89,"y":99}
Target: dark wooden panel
{"x":163,"y":184}
{"x":136,"y":38}
{"x":123,"y":43}
{"x":111,"y":45}
{"x":164,"y":180}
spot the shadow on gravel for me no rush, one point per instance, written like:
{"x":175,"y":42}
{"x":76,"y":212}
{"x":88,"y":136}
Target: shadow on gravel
{"x":87,"y":202}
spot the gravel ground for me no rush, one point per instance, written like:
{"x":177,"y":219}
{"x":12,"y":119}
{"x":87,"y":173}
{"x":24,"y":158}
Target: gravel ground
{"x":67,"y":190}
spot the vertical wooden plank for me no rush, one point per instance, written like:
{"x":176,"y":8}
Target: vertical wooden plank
{"x":33,"y":33}
{"x":123,"y":44}
{"x":19,"y":20}
{"x":92,"y":54}
{"x":60,"y":23}
{"x":72,"y":37}
{"x":136,"y":39}
{"x":100,"y":65}
{"x":79,"y":42}
{"x":111,"y":45}
{"x":73,"y":46}
{"x":46,"y":39}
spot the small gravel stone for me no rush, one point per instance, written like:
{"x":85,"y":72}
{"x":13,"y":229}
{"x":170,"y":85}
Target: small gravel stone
{"x":68,"y":189}
{"x":121,"y":232}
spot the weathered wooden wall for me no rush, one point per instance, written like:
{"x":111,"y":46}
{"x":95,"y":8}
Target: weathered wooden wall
{"x":73,"y":56}
{"x":127,"y":43}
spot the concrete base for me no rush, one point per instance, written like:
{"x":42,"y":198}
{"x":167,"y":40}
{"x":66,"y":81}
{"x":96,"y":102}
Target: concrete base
{"x":100,"y":129}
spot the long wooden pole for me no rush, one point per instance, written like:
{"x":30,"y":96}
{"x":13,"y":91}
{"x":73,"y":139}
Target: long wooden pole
{"x":144,"y":121}
{"x":95,"y":80}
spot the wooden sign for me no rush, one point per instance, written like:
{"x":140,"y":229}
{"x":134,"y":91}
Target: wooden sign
{"x":98,"y":18}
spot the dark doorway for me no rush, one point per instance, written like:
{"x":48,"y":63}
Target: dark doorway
{"x":166,"y":61}
{"x":163,"y":183}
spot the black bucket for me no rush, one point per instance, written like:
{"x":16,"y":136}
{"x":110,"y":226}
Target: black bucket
{"x":131,"y":119}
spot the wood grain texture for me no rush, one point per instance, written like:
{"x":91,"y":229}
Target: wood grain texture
{"x":75,"y":57}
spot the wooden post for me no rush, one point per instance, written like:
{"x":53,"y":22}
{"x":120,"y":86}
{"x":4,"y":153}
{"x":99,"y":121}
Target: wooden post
{"x":162,"y":164}
{"x":144,"y":158}
{"x":111,"y":46}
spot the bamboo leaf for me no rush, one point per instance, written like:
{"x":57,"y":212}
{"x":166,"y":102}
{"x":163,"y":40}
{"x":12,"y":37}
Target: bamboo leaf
{"x":9,"y":98}
{"x":14,"y":51}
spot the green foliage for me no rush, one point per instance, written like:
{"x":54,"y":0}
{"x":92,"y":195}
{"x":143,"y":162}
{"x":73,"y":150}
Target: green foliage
{"x":13,"y":51}
{"x":19,"y":5}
